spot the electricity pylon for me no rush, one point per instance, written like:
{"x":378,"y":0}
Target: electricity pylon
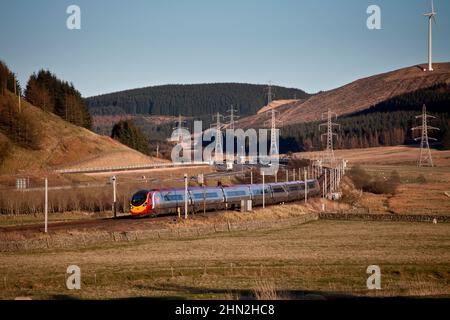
{"x":232,"y":117}
{"x":180,"y":125}
{"x":270,"y":93}
{"x":329,"y":151}
{"x":218,"y":151}
{"x":273,"y":124}
{"x":425,"y":158}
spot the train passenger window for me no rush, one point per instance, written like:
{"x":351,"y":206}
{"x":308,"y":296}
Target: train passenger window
{"x":212,"y":195}
{"x":173,"y":197}
{"x":259,"y":192}
{"x":294,"y":188}
{"x":239,"y":193}
{"x":198,"y":195}
{"x":278,"y":189}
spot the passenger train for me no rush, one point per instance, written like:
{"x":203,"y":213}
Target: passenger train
{"x":158,"y":201}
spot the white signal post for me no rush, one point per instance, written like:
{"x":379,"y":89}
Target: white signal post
{"x":306,"y":187}
{"x":264,"y":191}
{"x":46,"y":206}
{"x":114,"y":196}
{"x":185,"y":196}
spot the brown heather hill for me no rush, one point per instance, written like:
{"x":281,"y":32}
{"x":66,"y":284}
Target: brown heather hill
{"x":63,"y":145}
{"x":356,"y":96}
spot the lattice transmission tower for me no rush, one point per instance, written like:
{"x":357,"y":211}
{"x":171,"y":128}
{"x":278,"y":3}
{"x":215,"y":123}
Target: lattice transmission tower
{"x":231,"y":117}
{"x":180,"y":126}
{"x":329,"y":151}
{"x":425,"y":159}
{"x":274,"y":123}
{"x":218,"y":151}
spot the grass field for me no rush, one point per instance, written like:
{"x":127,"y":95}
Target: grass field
{"x":325,"y":258}
{"x":413,"y":196}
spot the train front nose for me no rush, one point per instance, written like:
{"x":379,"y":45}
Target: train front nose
{"x":140,"y":203}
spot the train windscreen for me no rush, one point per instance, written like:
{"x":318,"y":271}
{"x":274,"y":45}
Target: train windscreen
{"x":139,"y":198}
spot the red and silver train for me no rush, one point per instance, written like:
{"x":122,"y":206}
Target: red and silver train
{"x":158,"y":201}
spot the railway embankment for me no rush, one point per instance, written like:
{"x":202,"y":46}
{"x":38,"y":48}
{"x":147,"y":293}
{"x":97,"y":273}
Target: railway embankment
{"x":85,"y":239}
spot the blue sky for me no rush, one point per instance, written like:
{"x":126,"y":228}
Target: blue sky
{"x":308,"y":44}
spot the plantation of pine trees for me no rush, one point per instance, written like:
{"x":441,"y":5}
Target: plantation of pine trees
{"x":199,"y":100}
{"x":16,"y":125}
{"x":127,"y":133}
{"x":46,"y":91}
{"x":386,"y":124}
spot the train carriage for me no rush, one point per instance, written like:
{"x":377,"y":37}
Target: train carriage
{"x":154,"y":202}
{"x":234,"y":195}
{"x":279,"y":192}
{"x":258,"y":194}
{"x":207,"y":198}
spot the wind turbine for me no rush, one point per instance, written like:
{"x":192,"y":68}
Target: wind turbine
{"x":430,"y":16}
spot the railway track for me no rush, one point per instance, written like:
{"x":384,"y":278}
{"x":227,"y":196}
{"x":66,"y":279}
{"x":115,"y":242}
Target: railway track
{"x":101,"y":224}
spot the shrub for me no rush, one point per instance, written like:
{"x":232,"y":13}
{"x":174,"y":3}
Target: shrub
{"x":421,"y":179}
{"x":363,"y":180}
{"x":359,"y":177}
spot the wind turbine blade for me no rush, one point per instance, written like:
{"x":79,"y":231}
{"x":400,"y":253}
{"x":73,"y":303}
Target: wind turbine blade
{"x":432,"y":6}
{"x":434,"y":19}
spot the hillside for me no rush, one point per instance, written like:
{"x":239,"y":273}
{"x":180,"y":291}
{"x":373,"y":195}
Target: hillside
{"x":60,"y":144}
{"x":358,"y":96}
{"x":199,"y":100}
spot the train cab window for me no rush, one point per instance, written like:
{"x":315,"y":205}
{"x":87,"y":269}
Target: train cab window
{"x":311,"y":185}
{"x":139,"y":198}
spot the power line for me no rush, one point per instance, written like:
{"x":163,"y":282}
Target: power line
{"x":425,"y":159}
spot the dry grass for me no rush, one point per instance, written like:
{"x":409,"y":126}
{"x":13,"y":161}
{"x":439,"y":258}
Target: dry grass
{"x":63,"y":145}
{"x":323,"y":258}
{"x":397,"y":155}
{"x":266,"y":290}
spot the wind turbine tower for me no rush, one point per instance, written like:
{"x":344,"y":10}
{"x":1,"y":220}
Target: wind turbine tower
{"x":431,"y":16}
